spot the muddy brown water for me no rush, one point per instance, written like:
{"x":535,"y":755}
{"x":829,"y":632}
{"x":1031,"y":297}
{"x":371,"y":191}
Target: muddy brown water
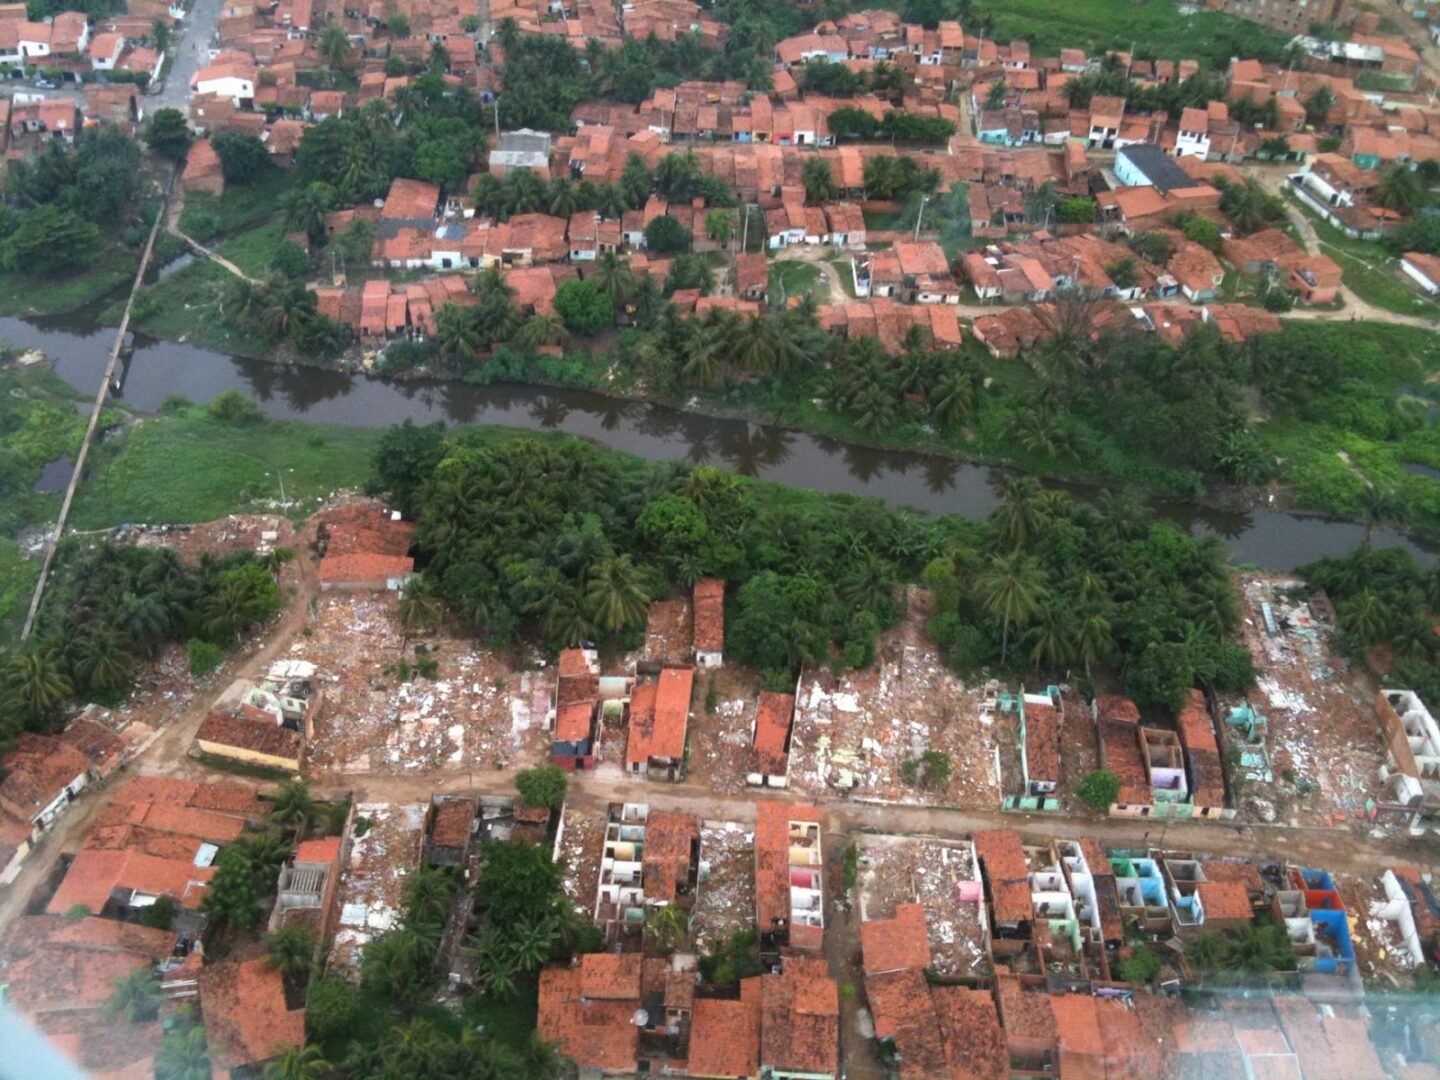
{"x":922,"y":481}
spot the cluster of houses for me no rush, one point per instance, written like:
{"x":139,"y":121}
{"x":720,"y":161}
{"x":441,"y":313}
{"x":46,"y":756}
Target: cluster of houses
{"x":155,"y":840}
{"x":1051,"y":925}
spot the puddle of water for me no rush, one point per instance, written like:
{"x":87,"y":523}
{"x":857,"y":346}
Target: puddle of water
{"x":55,"y":475}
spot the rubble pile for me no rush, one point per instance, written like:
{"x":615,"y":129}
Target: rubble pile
{"x":725,"y":900}
{"x":1319,"y":740}
{"x":854,"y":731}
{"x":385,"y":713}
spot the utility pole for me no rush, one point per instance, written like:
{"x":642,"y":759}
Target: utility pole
{"x":921,"y":215}
{"x":745,"y":231}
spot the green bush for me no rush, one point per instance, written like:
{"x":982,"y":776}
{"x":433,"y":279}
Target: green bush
{"x":1140,"y":966}
{"x":205,"y":657}
{"x":1099,"y":790}
{"x":159,"y":915}
{"x":233,"y":407}
{"x":544,"y":785}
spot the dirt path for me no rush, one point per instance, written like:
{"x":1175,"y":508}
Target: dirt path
{"x":816,"y":257}
{"x":172,"y":226}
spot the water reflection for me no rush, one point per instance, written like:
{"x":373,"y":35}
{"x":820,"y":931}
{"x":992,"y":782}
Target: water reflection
{"x":923,"y":482}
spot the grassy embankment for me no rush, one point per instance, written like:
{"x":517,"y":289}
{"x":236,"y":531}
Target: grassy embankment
{"x":243,"y":225}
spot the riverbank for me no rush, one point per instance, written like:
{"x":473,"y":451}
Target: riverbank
{"x":1323,"y":456}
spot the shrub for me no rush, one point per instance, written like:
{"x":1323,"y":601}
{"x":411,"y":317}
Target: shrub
{"x":233,"y":407}
{"x":544,"y":785}
{"x":931,"y":770}
{"x":1279,"y":301}
{"x":202,"y":225}
{"x":204,"y":657}
{"x":1099,"y":789}
{"x":1141,"y":966}
{"x":159,"y":915}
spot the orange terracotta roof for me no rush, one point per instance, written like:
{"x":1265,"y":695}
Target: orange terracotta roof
{"x":725,"y":1035}
{"x":771,"y":749}
{"x":800,"y":1017}
{"x":898,"y":943}
{"x":772,"y":859}
{"x":671,"y":839}
{"x":246,"y":1019}
{"x":659,"y":717}
{"x":610,"y":976}
{"x":1227,"y":900}
{"x":709,"y":602}
{"x":363,"y":568}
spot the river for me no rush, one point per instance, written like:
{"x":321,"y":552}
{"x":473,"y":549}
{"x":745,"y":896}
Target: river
{"x":922,"y":481}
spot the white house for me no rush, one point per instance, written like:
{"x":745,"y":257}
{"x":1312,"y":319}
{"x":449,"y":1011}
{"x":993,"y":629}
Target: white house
{"x":1423,"y":269}
{"x":233,"y":81}
{"x":34,"y":40}
{"x":1193,"y":139}
{"x":105,"y":51}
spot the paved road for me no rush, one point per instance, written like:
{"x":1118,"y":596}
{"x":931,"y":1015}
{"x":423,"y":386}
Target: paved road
{"x":191,"y":52}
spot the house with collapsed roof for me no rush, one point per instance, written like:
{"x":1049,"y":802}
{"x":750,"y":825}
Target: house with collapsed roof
{"x":650,"y":859}
{"x":789,"y":876}
{"x":770,"y":740}
{"x":582,"y":700}
{"x":708,"y":601}
{"x":364,"y":548}
{"x":265,"y":722}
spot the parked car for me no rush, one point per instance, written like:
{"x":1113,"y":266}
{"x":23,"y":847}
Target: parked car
{"x":44,"y":84}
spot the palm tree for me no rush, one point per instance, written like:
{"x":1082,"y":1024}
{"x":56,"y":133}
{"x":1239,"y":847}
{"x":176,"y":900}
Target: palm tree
{"x":305,"y":209}
{"x":539,"y":1060}
{"x":818,"y":180}
{"x":1018,"y":515}
{"x":531,"y":940}
{"x":1400,"y":189}
{"x":1093,"y":640}
{"x":668,"y":926}
{"x":882,"y":176}
{"x":489,"y":194}
{"x":333,"y":47}
{"x":298,"y":1063}
{"x":38,"y":681}
{"x":184,"y":1054}
{"x":616,"y":594}
{"x":135,"y":997}
{"x":611,"y":201}
{"x":870,"y":583}
{"x":612,"y":276}
{"x":755,"y":347}
{"x":1381,"y":505}
{"x":705,"y":355}
{"x":144,"y":621}
{"x":457,"y":337}
{"x":419,"y":606}
{"x":1054,"y":638}
{"x":1365,"y":618}
{"x":560,"y":197}
{"x":104,"y":661}
{"x":541,"y":330}
{"x":646,"y":303}
{"x":720,"y":225}
{"x":291,"y":804}
{"x":524,"y":193}
{"x":497,"y":972}
{"x":428,"y":896}
{"x":291,"y":950}
{"x":954,"y":397}
{"x":1012,"y":588}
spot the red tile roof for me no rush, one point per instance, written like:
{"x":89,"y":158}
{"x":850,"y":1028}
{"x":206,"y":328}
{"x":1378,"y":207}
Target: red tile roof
{"x":610,"y":976}
{"x":709,"y":601}
{"x":364,"y":569}
{"x":95,"y":874}
{"x":725,"y":1034}
{"x":771,"y":750}
{"x":246,"y":1021}
{"x":800,"y":1016}
{"x":245,"y":730}
{"x":1227,"y":900}
{"x":597,"y":1033}
{"x":896,"y":944}
{"x":1042,"y":742}
{"x":409,"y":199}
{"x":659,"y":716}
{"x":1003,"y":860}
{"x":671,"y":838}
{"x":772,"y":859}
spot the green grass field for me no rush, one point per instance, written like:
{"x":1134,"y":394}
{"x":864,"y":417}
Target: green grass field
{"x":186,"y":466}
{"x":1154,"y":29}
{"x":789,"y":279}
